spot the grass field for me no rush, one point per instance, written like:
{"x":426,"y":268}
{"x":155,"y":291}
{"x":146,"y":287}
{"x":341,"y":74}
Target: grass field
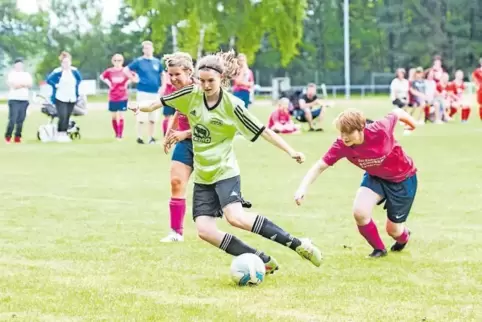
{"x":80,"y":226}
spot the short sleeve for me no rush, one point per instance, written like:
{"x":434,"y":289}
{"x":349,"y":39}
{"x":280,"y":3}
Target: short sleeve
{"x":181,"y":99}
{"x":387,"y":124}
{"x":335,"y":153}
{"x":247,"y":124}
{"x":134,"y":65}
{"x":106,"y":74}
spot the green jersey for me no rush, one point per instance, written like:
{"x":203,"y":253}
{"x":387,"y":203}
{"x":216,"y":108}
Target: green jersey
{"x":213,"y":131}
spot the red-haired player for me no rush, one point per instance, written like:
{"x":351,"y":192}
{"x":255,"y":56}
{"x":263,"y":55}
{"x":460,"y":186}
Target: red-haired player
{"x":458,"y":101}
{"x":390,"y":174}
{"x":477,"y":78}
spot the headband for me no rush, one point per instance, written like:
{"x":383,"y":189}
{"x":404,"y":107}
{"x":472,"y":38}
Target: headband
{"x":209,"y":67}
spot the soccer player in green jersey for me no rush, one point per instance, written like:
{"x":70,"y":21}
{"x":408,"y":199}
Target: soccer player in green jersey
{"x":216,"y":116}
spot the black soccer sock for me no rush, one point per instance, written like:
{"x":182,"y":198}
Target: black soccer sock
{"x":264,"y":227}
{"x":234,"y":246}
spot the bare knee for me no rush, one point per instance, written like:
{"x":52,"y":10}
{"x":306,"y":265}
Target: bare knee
{"x":236,"y":217}
{"x":361,"y":215}
{"x":205,"y":232}
{"x":393,"y":229}
{"x":177,"y":185}
{"x":233,"y":219}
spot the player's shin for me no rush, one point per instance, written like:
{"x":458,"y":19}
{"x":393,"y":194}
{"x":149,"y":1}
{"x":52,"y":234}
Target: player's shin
{"x":370,"y":233}
{"x":235,"y":246}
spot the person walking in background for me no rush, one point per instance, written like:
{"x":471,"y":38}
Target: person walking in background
{"x":150,"y":86}
{"x":243,"y":84}
{"x":65,"y":81}
{"x":19,"y":82}
{"x":118,"y":82}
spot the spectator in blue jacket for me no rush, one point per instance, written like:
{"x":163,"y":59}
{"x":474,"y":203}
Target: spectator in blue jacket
{"x":65,"y":81}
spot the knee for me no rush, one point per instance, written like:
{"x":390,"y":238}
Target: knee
{"x":393,"y":229}
{"x":205,"y":232}
{"x":361,"y":215}
{"x":177,"y":185}
{"x":233,"y":218}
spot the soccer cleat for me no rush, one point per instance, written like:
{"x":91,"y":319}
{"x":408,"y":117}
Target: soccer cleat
{"x":271,"y":266}
{"x":140,"y":141}
{"x":398,"y":247}
{"x":152,"y":141}
{"x":378,"y":253}
{"x":8,"y":139}
{"x":309,"y":251}
{"x":172,"y":237}
{"x":18,"y":139}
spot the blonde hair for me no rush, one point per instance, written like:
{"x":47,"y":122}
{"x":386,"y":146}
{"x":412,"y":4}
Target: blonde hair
{"x":65,"y":54}
{"x":350,"y":120}
{"x":284,"y":102}
{"x":225,"y":63}
{"x":179,"y":59}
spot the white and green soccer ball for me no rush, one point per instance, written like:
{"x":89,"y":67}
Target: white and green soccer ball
{"x":247,"y":269}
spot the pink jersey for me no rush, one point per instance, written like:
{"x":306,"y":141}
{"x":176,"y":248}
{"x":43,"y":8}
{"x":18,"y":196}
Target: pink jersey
{"x":245,"y":76}
{"x":279,"y":116}
{"x":380,"y":155}
{"x":118,"y":80}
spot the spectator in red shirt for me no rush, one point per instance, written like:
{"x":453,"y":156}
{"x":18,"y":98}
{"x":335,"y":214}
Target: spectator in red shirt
{"x":280,"y":120}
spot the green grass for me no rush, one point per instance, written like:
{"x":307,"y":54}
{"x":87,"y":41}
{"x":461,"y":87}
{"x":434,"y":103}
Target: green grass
{"x":80,"y":226}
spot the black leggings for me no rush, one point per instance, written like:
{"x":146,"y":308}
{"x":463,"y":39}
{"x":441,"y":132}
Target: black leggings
{"x":64,"y":111}
{"x":17,"y":110}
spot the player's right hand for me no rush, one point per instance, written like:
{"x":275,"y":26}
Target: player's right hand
{"x":298,"y":156}
{"x":299,"y":195}
{"x":134,"y":108}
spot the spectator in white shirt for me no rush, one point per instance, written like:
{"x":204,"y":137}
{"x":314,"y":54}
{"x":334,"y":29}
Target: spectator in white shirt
{"x":65,"y":81}
{"x":19,"y":82}
{"x":399,"y":89}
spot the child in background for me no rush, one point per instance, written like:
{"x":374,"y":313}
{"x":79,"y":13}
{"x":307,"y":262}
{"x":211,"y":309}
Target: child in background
{"x":280,"y":120}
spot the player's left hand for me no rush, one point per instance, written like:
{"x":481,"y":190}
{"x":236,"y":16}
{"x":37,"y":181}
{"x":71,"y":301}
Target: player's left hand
{"x":298,"y":156}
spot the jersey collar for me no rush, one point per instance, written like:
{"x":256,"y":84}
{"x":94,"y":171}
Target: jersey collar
{"x":217,"y":103}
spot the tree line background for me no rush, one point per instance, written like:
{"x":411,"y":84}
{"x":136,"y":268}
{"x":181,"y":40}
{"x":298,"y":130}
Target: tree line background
{"x":299,"y":38}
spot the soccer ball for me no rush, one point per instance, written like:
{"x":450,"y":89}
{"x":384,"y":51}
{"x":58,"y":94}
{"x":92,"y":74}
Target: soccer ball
{"x":247,"y":269}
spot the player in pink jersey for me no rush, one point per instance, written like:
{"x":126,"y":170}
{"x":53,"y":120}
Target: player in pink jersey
{"x":180,"y":69}
{"x":390,"y":175}
{"x":118,"y":82}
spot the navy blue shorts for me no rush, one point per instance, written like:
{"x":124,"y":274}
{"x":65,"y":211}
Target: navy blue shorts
{"x":397,"y":196}
{"x":120,"y":106}
{"x":168,"y":111}
{"x":245,"y":96}
{"x":299,"y":114}
{"x":183,"y":153}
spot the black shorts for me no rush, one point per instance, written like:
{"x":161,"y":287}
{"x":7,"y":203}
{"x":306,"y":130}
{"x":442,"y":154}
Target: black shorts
{"x":210,"y":199}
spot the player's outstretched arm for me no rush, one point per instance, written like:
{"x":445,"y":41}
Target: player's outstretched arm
{"x":309,"y":178}
{"x":136,"y":108}
{"x":405,"y":117}
{"x":281,"y":144}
